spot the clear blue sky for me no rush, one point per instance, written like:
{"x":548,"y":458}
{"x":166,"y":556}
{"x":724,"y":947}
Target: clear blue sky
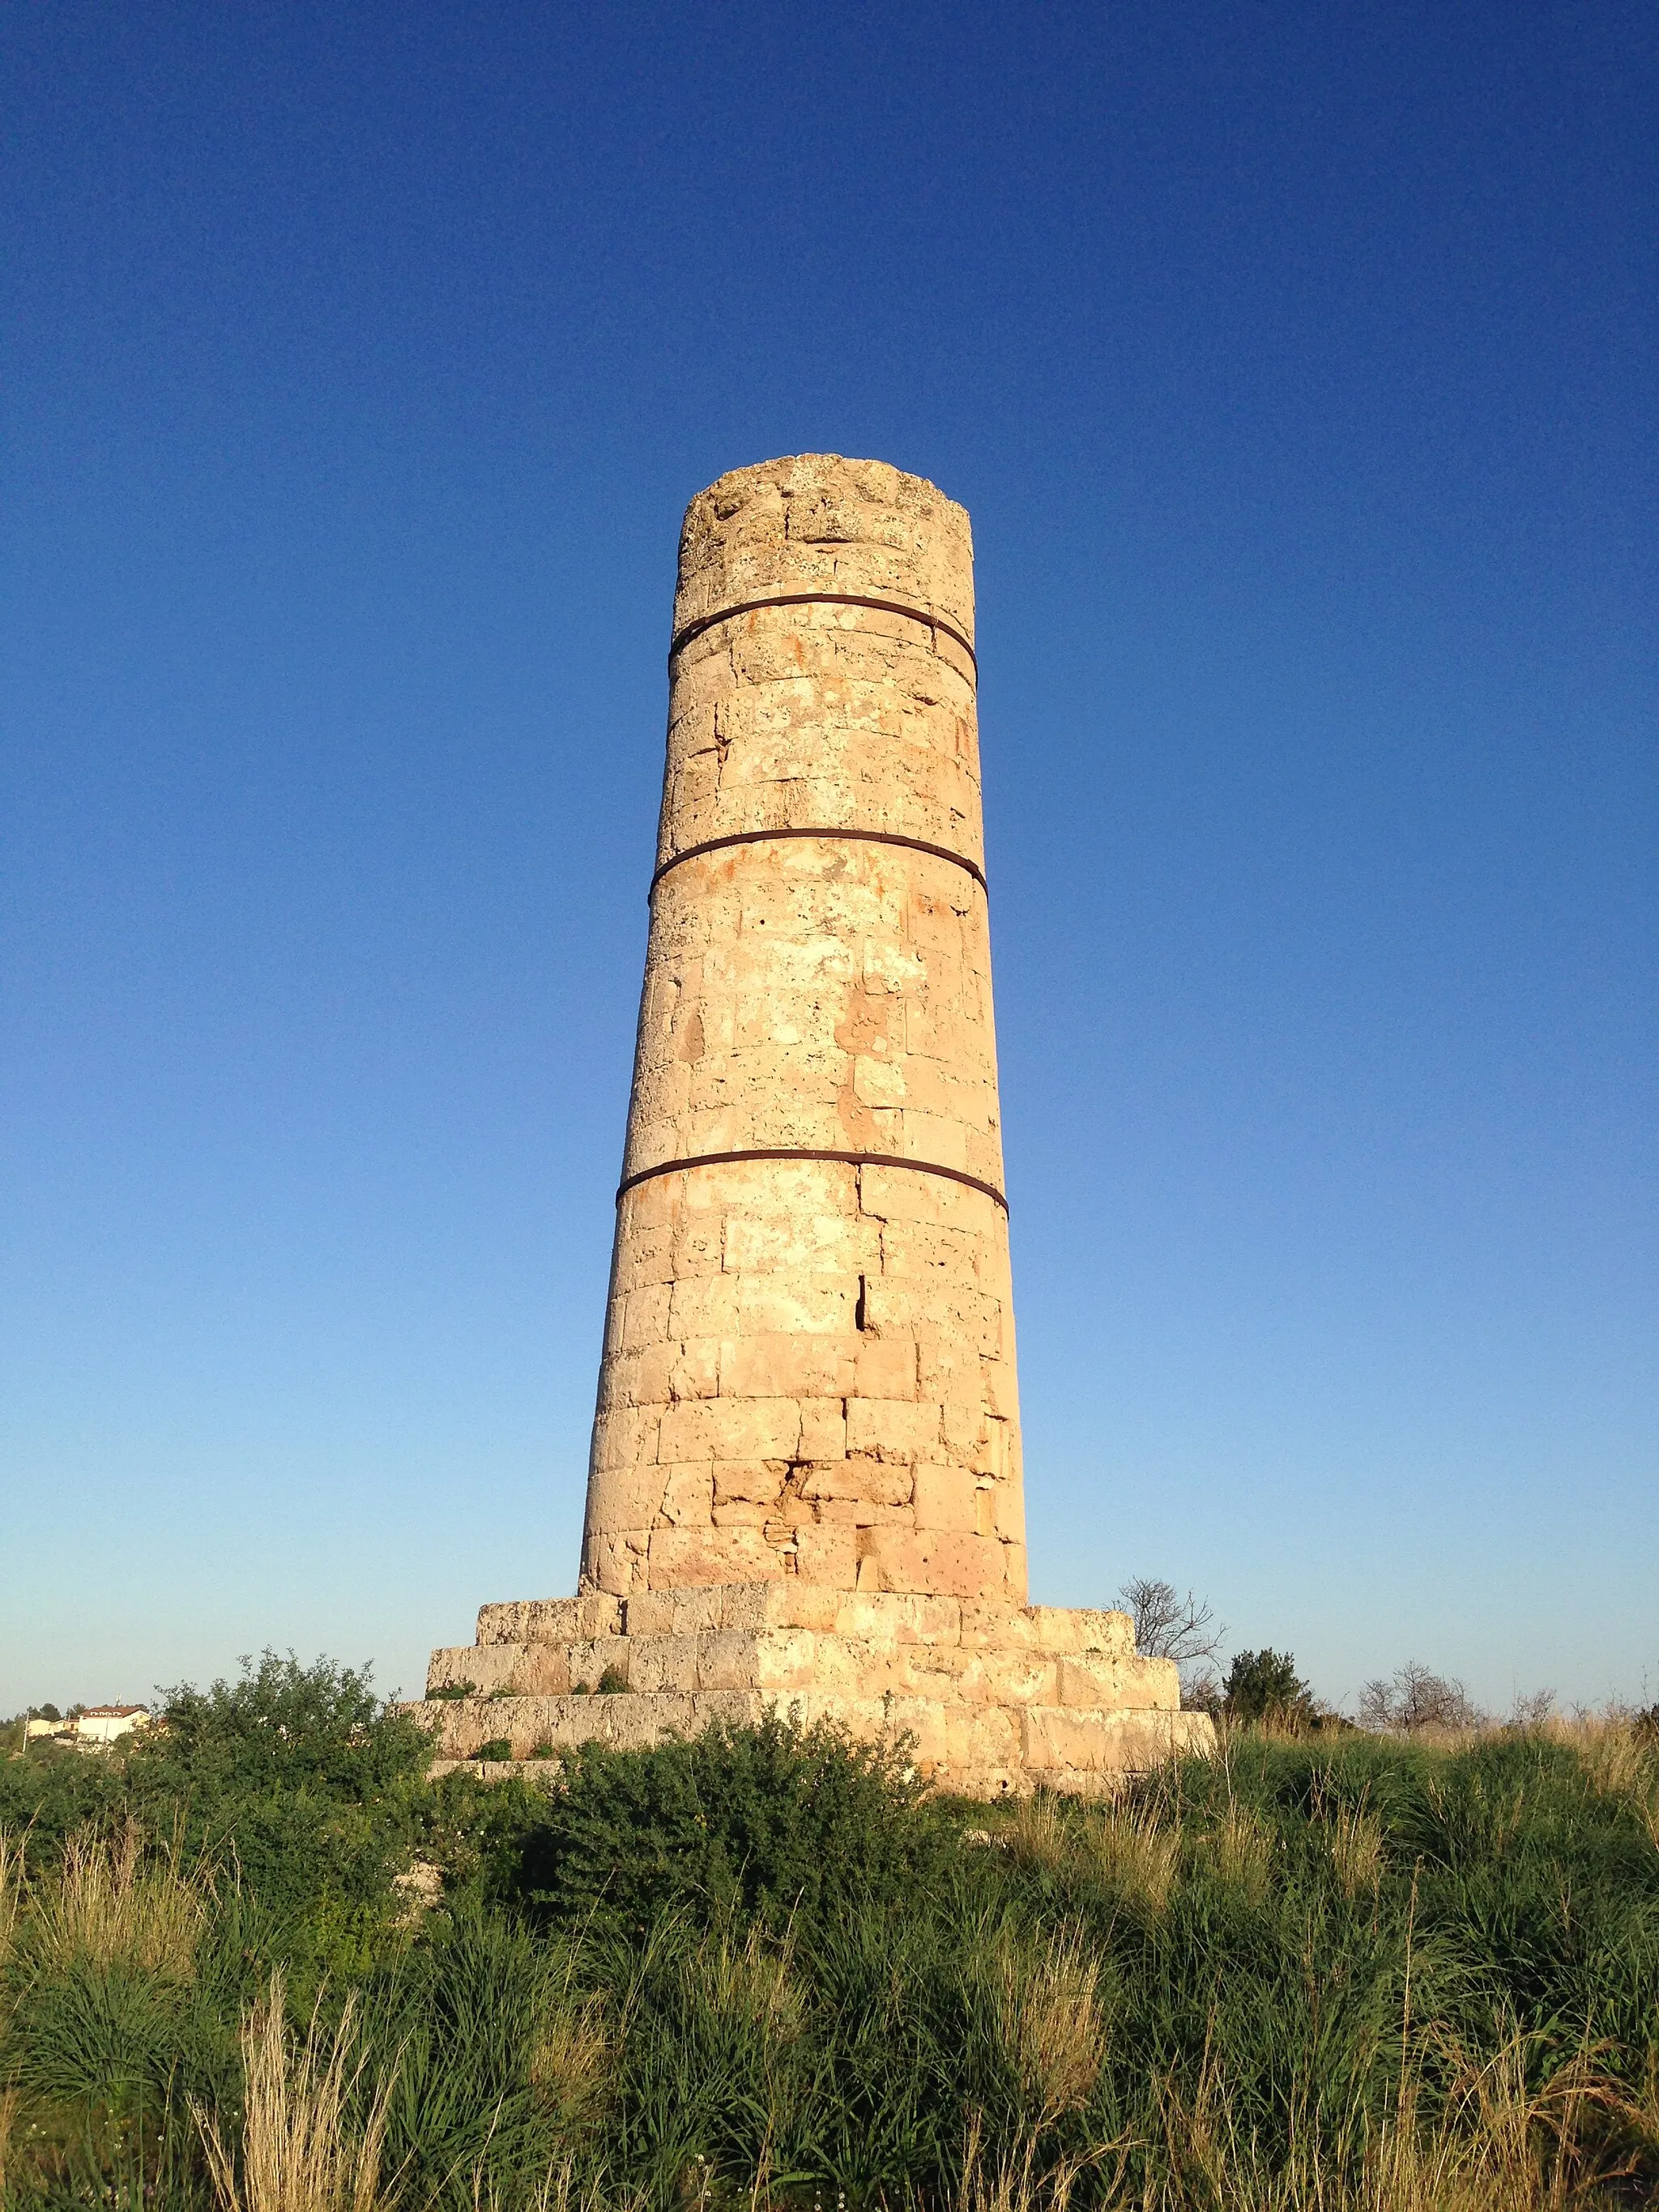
{"x":1296,"y":364}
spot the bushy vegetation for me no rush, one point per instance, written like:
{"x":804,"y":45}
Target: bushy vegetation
{"x":1264,"y":1686}
{"x":259,"y":1960}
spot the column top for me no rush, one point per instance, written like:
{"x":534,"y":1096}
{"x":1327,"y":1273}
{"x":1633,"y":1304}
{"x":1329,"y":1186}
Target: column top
{"x":818,"y":522}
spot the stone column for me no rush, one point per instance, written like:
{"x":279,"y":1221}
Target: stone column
{"x":809,"y":1352}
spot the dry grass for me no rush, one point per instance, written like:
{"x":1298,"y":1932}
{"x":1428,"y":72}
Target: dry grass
{"x":11,"y":1893}
{"x":1497,"y":2147}
{"x":1136,"y":1851}
{"x":111,"y":1907}
{"x":750,"y":1984}
{"x":571,"y":2065}
{"x":1357,"y":1850}
{"x":8,"y":2122}
{"x":299,"y":2153}
{"x":1050,"y":2018}
{"x":1617,"y":1762}
{"x":1016,"y":2182}
{"x":1494,"y":2145}
{"x":1037,"y":1835}
{"x":1127,"y":1842}
{"x":1241,"y":1850}
{"x":10,"y":1907}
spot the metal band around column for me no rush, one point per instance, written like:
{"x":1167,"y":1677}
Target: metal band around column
{"x":864,"y":836}
{"x":682,"y":638}
{"x":808,"y":1153}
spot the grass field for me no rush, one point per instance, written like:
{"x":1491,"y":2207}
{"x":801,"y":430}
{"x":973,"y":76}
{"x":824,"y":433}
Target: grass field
{"x":261,"y":1961}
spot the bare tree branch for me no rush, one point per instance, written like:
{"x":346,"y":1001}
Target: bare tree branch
{"x":1170,"y":1627}
{"x":1416,"y":1698}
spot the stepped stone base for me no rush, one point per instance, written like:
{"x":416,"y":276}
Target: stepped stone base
{"x":999,"y":1699}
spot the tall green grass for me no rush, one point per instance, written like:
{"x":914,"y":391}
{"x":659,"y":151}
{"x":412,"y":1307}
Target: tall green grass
{"x":1342,"y":1974}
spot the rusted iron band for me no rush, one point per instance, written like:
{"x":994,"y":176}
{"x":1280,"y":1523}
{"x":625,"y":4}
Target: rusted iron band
{"x":865,"y":836}
{"x":821,"y":599}
{"x":808,"y":1153}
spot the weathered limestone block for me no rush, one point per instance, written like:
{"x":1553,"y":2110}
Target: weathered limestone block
{"x":664,"y":1663}
{"x":1049,"y":1628}
{"x":929,"y":1559}
{"x":521,"y":1669}
{"x":1097,"y":1679}
{"x":1068,"y":1739}
{"x":542,"y":1725}
{"x":550,"y":1620}
{"x":678,"y":1557}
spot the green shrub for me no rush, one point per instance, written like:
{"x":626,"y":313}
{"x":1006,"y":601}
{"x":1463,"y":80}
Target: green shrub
{"x":776,"y":1819}
{"x":297,"y":1779}
{"x":318,"y":1729}
{"x":1265,"y":1686}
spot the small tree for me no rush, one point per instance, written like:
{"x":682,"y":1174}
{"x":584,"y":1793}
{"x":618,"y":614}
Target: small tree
{"x":1533,"y":1709}
{"x":1416,"y":1699}
{"x":1204,"y":1693}
{"x":1184,"y":1629}
{"x":1265,"y":1686}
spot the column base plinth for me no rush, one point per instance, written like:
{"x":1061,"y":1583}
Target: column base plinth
{"x":995,"y":1700}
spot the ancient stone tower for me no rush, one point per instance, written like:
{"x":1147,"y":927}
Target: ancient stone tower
{"x":809,"y":1355}
{"x":805,"y":1486}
